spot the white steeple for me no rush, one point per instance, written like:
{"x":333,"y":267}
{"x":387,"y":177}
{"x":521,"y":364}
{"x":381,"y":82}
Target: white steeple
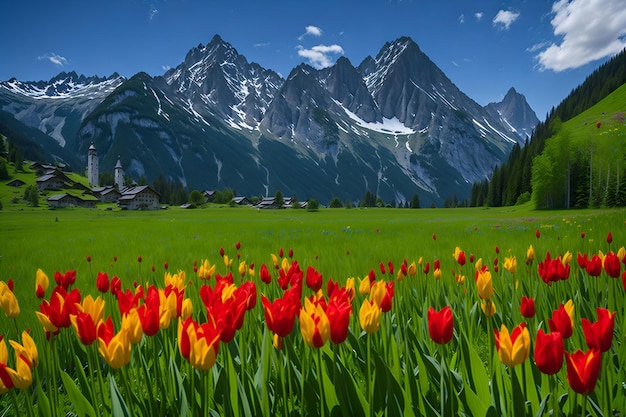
{"x":92,"y":166}
{"x":119,"y":175}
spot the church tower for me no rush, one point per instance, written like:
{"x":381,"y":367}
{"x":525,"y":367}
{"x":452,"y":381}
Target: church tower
{"x":119,"y":175}
{"x":92,"y":166}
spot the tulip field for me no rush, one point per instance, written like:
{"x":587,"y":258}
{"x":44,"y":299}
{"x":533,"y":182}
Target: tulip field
{"x":340,"y":312}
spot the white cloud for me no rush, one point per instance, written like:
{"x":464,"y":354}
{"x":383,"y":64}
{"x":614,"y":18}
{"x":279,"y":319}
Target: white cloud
{"x":311,"y":30}
{"x":320,"y":56}
{"x":58,"y":60}
{"x":153,"y":12}
{"x":166,"y":67}
{"x":505,"y":18}
{"x":462,"y":18}
{"x":261,"y":44}
{"x":478,"y":15}
{"x":589,"y":30}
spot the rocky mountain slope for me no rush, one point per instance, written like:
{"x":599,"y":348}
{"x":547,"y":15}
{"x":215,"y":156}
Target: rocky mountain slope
{"x":394,"y":125}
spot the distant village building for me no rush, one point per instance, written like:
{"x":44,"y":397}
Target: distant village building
{"x":92,"y":166}
{"x":54,"y":180}
{"x":68,"y":200}
{"x":142,"y":197}
{"x":16,"y":183}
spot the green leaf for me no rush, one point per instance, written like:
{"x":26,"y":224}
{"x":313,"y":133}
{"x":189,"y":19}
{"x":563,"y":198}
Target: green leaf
{"x":43,"y":404}
{"x":349,"y":394}
{"x":182,"y":393}
{"x":118,"y":406}
{"x":81,"y":404}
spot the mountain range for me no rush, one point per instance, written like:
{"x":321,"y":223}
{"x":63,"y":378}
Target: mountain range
{"x":394,"y":125}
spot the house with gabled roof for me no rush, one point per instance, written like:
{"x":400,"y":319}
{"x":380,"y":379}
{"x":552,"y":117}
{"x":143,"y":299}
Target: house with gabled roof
{"x":141,"y":197}
{"x":69,"y":200}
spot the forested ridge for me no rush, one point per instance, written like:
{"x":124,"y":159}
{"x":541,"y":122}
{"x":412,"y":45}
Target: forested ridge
{"x":566,"y":185}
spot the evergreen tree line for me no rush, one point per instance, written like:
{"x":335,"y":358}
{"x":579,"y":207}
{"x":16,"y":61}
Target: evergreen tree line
{"x":513,"y":181}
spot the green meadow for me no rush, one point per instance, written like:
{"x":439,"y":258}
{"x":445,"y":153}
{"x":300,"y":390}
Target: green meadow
{"x":395,"y":371}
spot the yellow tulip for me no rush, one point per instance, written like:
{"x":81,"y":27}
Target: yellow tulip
{"x":243,"y":268}
{"x":23,"y":376}
{"x":489,"y":308}
{"x":510,"y":264}
{"x":365,"y":286}
{"x":187,"y":309}
{"x":567,"y":258}
{"x":513,"y":349}
{"x":478,"y":265}
{"x":413,"y":268}
{"x":206,"y":270}
{"x":132,"y":323}
{"x":569,"y":308}
{"x":93,"y":307}
{"x":350,"y":285}
{"x":484,"y":284}
{"x":314,"y":324}
{"x":8,"y":301}
{"x":530,"y":253}
{"x":42,"y":281}
{"x":285,"y":265}
{"x":437,"y":274}
{"x":117,"y":352}
{"x":178,"y":280}
{"x":378,"y":292}
{"x":369,"y":316}
{"x":227,"y":261}
{"x":31,"y":348}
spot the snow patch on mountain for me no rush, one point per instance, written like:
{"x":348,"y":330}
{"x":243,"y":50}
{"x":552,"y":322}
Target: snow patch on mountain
{"x":388,"y":126}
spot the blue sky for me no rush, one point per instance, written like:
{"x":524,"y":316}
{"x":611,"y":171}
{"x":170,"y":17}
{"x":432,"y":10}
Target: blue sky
{"x":543,"y":48}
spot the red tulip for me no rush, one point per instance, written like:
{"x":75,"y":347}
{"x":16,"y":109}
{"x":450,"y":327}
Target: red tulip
{"x":426,"y":268}
{"x":537,"y":233}
{"x":114,"y":258}
{"x":280,"y":253}
{"x":338,"y":312}
{"x":561,"y":322}
{"x":612,"y":265}
{"x":280,"y":315}
{"x":582,"y":260}
{"x":313,"y":279}
{"x":116,"y":285}
{"x":434,"y":236}
{"x":594,"y":266}
{"x":436,"y":264}
{"x":599,"y":335}
{"x":264,"y":274}
{"x":552,"y":270}
{"x":382,"y":268}
{"x":497,"y":250}
{"x":549,"y":352}
{"x":583,"y":369}
{"x":609,"y":238}
{"x":88,"y":258}
{"x":582,"y":235}
{"x":527,"y":307}
{"x":139,"y":259}
{"x":85,"y":328}
{"x":102,"y":282}
{"x":65,"y":280}
{"x":237,"y":245}
{"x":165,"y":265}
{"x":10,"y":284}
{"x":290,"y":253}
{"x":440,"y":325}
{"x":598,"y":124}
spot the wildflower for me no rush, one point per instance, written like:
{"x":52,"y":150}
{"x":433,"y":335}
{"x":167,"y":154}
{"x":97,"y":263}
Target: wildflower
{"x":513,"y":349}
{"x":369,"y":316}
{"x":599,"y":335}
{"x":440,"y":325}
{"x":41,"y":284}
{"x":583,"y":369}
{"x":527,"y":307}
{"x":549,"y":352}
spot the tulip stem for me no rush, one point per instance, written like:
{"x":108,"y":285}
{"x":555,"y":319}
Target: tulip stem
{"x":368,"y":377}
{"x":584,"y":406}
{"x":442,"y":365}
{"x":320,"y":378}
{"x":556,"y":412}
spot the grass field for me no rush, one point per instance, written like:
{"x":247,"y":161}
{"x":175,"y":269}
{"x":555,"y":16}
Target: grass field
{"x":339,"y":243}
